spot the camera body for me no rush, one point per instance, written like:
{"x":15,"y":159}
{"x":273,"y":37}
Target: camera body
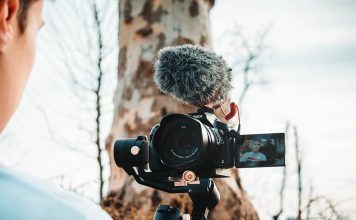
{"x":198,"y":142}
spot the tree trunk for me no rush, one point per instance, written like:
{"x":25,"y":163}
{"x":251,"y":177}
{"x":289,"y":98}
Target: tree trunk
{"x":145,"y":27}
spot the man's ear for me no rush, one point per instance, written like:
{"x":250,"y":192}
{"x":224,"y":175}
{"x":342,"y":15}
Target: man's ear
{"x":8,"y":14}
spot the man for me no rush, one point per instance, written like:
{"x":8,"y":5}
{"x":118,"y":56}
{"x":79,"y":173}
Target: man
{"x":255,"y":155}
{"x":23,"y":197}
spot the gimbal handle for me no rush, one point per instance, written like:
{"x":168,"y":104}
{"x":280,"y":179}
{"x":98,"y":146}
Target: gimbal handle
{"x":205,"y":197}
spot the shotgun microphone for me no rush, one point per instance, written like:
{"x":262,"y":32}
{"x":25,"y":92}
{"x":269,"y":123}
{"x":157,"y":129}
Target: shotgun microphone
{"x":193,"y":75}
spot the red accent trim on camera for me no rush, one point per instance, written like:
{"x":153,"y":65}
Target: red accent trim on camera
{"x":233,"y":110}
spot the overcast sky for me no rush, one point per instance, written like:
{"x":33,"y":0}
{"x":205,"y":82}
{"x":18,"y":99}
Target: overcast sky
{"x":311,"y":67}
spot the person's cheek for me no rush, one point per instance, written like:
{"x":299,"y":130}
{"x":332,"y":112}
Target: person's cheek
{"x":32,"y":43}
{"x":30,"y":52}
{"x":26,"y":54}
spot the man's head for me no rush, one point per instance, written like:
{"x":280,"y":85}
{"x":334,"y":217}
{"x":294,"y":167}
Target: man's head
{"x":256,"y":146}
{"x":20,"y":20}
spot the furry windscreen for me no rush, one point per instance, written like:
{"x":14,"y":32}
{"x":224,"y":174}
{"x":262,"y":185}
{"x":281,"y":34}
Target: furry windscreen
{"x":193,"y":75}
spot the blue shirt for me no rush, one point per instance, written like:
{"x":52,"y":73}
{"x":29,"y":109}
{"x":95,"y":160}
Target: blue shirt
{"x":252,"y":156}
{"x":24,"y":197}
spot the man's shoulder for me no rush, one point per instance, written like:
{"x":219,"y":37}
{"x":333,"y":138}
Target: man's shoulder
{"x":25,"y":197}
{"x":262,"y":155}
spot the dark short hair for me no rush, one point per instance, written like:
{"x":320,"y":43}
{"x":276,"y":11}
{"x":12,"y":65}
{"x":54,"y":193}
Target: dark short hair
{"x":22,"y":14}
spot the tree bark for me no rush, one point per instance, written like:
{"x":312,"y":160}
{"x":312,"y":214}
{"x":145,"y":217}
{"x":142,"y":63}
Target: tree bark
{"x":145,"y":27}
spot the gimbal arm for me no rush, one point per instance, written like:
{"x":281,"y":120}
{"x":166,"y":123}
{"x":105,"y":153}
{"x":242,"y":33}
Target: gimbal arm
{"x":205,"y":195}
{"x":146,"y":179}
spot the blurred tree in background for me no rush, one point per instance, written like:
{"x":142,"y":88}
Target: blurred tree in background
{"x":144,"y":28}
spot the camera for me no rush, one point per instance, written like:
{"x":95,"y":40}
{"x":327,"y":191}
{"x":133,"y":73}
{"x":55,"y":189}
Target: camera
{"x":185,"y":151}
{"x":197,"y":142}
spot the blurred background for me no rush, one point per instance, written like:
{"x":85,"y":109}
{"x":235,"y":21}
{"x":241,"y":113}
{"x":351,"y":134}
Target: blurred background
{"x":300,"y":77}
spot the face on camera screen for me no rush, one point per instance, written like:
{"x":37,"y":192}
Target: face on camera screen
{"x":259,"y":150}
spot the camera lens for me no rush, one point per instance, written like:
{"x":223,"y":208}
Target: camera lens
{"x":182,"y":141}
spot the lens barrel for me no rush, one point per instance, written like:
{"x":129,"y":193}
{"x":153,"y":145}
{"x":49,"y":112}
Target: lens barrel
{"x":182,"y":141}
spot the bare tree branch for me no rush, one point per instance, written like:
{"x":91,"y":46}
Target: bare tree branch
{"x":98,"y":98}
{"x":53,"y":135}
{"x":83,"y":53}
{"x":283,"y":183}
{"x":252,"y":56}
{"x":299,"y":172}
